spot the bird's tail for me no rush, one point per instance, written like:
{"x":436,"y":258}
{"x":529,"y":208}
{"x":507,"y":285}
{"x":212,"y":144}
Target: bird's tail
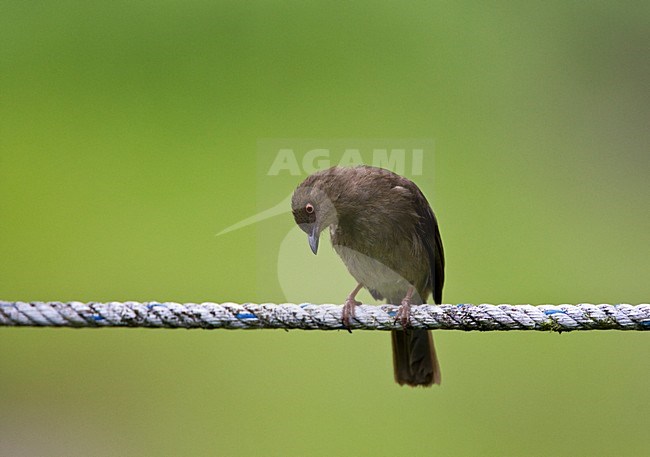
{"x":414,"y":358}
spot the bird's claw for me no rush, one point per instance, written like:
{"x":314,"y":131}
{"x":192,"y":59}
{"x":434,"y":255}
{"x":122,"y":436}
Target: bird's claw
{"x":404,"y":312}
{"x":348,"y":311}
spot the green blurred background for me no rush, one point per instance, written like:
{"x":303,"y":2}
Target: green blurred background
{"x":129,"y":137}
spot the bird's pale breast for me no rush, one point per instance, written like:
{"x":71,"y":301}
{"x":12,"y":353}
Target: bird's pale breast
{"x":380,"y":264}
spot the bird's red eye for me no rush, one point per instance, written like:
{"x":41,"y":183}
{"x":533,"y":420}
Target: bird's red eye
{"x":309,"y":208}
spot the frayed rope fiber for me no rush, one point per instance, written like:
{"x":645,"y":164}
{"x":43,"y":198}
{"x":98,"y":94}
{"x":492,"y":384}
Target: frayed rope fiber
{"x":484,"y":317}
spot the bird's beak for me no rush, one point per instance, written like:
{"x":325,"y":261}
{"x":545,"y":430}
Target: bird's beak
{"x":313,"y":237}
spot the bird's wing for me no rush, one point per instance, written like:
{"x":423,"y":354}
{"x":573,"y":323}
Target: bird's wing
{"x":427,"y":228}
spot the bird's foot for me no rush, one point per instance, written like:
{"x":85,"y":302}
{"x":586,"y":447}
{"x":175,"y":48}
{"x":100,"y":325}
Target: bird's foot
{"x":348,"y":311}
{"x":404,"y":312}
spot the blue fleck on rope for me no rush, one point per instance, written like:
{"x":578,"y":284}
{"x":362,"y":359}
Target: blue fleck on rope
{"x":484,"y":317}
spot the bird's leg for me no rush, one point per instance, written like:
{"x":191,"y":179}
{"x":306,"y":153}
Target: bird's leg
{"x":348,"y":307}
{"x":404,"y":311}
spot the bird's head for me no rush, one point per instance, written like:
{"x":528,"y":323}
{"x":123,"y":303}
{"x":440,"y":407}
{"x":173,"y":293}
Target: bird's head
{"x":313,"y":211}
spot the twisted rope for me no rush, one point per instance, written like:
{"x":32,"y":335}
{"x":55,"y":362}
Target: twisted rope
{"x":306,"y":316}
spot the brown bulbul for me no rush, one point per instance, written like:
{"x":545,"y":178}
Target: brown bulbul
{"x":383,"y":228}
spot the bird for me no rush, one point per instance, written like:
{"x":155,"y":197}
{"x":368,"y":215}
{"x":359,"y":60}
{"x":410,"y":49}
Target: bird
{"x":384,"y":230}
